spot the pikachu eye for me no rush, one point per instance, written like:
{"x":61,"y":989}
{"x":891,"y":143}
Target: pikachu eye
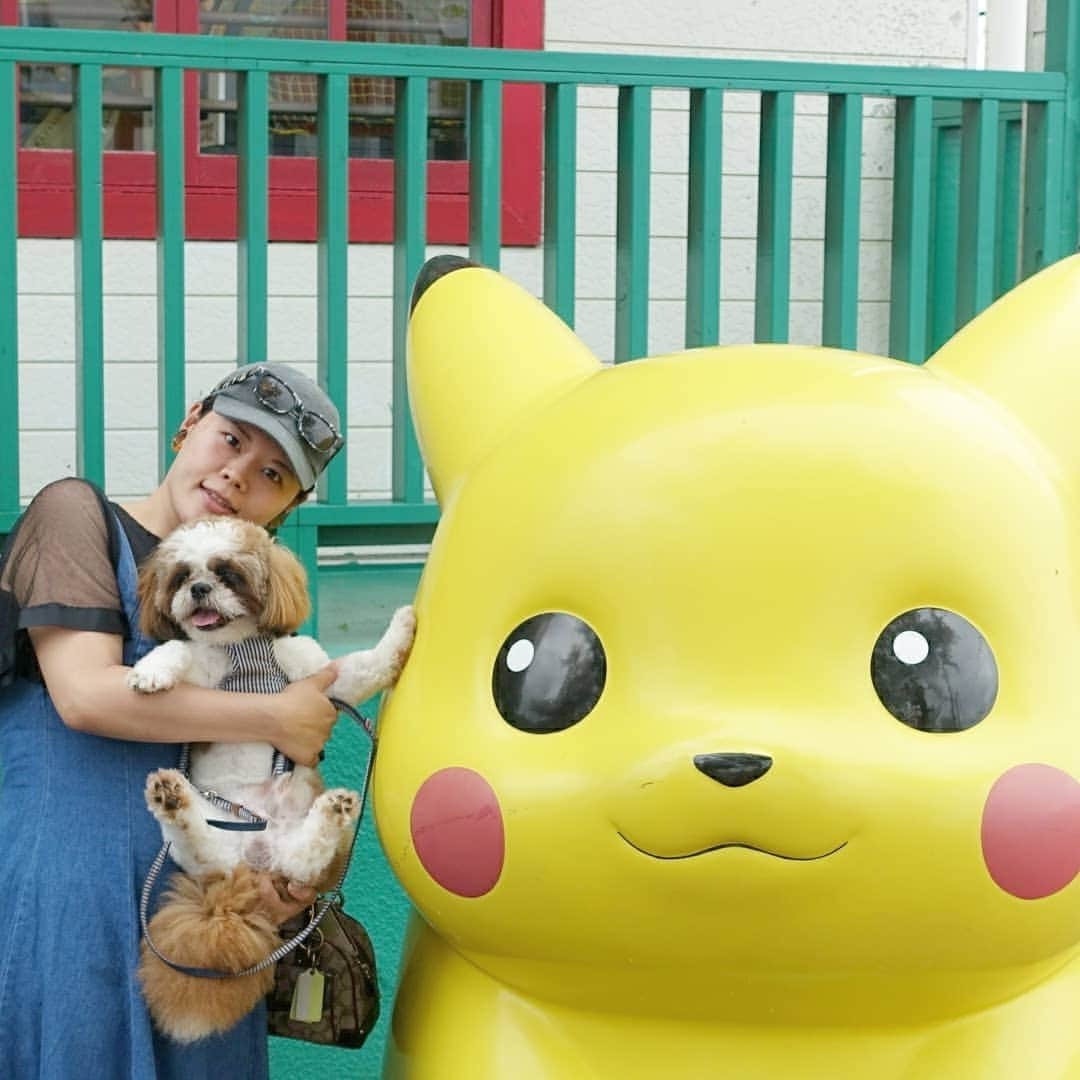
{"x":934,"y":671}
{"x":549,"y":673}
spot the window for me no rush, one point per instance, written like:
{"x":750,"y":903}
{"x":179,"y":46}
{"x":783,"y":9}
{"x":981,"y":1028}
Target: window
{"x":45,"y":134}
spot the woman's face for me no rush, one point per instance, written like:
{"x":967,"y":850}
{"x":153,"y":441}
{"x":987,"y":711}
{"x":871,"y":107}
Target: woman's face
{"x":229,"y":468}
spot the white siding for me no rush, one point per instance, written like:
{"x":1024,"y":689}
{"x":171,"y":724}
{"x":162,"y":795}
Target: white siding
{"x":908,"y":32}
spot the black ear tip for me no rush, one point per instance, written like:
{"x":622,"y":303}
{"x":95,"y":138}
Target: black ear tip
{"x":435,"y":268}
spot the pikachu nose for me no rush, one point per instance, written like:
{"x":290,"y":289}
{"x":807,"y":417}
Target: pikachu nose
{"x":733,"y":770}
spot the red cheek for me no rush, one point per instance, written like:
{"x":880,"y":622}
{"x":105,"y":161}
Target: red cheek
{"x":457,"y":831}
{"x":1031,"y":831}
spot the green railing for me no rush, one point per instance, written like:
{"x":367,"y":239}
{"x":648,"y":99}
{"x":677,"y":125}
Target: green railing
{"x":974,"y":206}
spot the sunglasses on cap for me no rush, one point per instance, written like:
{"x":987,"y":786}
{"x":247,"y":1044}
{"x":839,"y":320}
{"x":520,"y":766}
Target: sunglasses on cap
{"x":273,"y":393}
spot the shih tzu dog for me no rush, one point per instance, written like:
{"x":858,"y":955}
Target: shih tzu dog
{"x":224,"y":599}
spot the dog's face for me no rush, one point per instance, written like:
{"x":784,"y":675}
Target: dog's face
{"x":221,"y":580}
{"x":743,"y":665}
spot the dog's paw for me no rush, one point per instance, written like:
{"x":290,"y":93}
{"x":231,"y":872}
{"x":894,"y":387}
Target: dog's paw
{"x":167,"y":794}
{"x":150,"y":678}
{"x":362,"y":674}
{"x":339,"y":806}
{"x":398,"y":639}
{"x":402,"y":628}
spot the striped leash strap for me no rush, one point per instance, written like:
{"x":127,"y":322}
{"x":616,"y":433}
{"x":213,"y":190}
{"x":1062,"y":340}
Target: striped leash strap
{"x":324,"y":903}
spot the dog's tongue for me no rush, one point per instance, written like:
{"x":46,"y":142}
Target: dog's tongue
{"x":205,"y":619}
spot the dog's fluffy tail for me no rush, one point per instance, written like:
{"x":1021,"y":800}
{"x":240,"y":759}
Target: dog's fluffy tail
{"x":211,"y":922}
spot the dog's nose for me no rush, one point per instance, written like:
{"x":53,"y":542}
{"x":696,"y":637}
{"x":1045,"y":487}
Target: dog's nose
{"x":201,"y":590}
{"x":733,"y":770}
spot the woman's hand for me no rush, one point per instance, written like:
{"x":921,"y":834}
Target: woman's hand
{"x":283,"y":900}
{"x":304,"y":717}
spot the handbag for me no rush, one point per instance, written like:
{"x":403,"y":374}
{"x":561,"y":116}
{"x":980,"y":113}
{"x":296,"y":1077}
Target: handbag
{"x":325,"y":987}
{"x":326,"y":990}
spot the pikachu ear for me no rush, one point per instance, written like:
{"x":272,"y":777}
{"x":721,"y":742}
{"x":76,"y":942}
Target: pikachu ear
{"x":482,"y":353}
{"x":1024,"y":352}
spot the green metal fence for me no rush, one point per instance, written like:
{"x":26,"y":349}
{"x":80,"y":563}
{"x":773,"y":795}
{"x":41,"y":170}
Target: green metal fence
{"x":984,"y":191}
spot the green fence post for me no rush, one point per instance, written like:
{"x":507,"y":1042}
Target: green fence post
{"x":89,"y":320}
{"x":1043,"y":170}
{"x":1063,"y":54}
{"x":1007,"y":253}
{"x":169,"y":148}
{"x":773,"y":286}
{"x":843,"y":184}
{"x":978,"y":208}
{"x":252,"y":216}
{"x":944,"y":225}
{"x":410,"y":232}
{"x":911,"y":228}
{"x":632,"y":223}
{"x":485,"y":171}
{"x":9,"y":295}
{"x":560,"y":212}
{"x":703,"y":217}
{"x":333,"y":268}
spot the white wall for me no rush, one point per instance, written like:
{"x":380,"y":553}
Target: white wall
{"x":924,"y":32}
{"x":908,"y":32}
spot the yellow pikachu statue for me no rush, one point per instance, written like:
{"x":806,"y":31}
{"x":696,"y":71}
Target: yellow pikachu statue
{"x":742,"y":731}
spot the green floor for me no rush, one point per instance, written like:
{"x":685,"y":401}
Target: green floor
{"x":355,"y":604}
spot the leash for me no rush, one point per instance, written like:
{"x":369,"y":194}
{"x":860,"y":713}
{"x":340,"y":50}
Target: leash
{"x":249,"y":820}
{"x":329,"y":899}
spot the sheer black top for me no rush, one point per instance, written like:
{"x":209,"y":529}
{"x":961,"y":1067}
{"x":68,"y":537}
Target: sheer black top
{"x":57,"y":570}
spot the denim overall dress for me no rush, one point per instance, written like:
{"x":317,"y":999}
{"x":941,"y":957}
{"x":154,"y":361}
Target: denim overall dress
{"x":76,"y":841}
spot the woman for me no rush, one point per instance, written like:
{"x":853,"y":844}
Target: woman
{"x":76,"y":745}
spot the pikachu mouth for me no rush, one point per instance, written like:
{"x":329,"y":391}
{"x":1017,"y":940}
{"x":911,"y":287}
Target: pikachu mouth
{"x":727,"y":845}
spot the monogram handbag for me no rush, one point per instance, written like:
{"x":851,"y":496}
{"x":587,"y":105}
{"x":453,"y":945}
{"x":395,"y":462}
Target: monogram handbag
{"x":326,"y":990}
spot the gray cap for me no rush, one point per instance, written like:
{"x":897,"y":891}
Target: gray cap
{"x":286,"y":405}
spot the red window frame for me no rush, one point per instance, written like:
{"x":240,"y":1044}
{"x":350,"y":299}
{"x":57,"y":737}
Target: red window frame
{"x":46,"y":182}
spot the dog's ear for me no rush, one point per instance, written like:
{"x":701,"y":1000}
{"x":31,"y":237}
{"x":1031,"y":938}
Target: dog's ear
{"x":153,"y":599}
{"x":287,"y":602}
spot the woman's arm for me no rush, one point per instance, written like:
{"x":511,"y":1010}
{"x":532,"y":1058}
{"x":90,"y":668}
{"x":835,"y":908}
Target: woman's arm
{"x":85,"y":676}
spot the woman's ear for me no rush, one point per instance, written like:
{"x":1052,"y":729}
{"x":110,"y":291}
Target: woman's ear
{"x":287,"y":602}
{"x":194,"y":415}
